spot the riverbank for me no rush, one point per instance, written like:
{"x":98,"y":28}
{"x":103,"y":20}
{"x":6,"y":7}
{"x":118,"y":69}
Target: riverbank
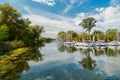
{"x":17,"y":58}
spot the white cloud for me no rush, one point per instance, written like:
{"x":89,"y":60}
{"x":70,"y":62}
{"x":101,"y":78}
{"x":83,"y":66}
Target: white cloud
{"x":99,"y":9}
{"x":48,"y":2}
{"x":110,"y":16}
{"x":53,"y":23}
{"x":69,"y":5}
{"x":114,"y":2}
{"x":72,"y":1}
{"x":106,"y":18}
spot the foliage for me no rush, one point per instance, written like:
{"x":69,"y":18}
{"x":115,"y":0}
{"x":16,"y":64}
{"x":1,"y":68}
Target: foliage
{"x":62,"y":35}
{"x":67,"y":36}
{"x":98,"y":35}
{"x":110,"y":34}
{"x":4,"y":33}
{"x":16,"y":62}
{"x":10,"y":45}
{"x":9,"y":15}
{"x":15,"y":44}
{"x":15,"y":30}
{"x":88,"y":23}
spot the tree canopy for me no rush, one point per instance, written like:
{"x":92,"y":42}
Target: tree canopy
{"x":88,"y":23}
{"x":18,"y":28}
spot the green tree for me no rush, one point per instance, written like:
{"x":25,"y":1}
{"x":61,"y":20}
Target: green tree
{"x":85,"y":36}
{"x":32,"y":34}
{"x":61,"y":35}
{"x":36,"y":30}
{"x":80,"y":38}
{"x":111,"y":34}
{"x":98,"y":35}
{"x":72,"y":35}
{"x":13,"y":19}
{"x":4,"y":33}
{"x":9,"y":15}
{"x":88,"y":24}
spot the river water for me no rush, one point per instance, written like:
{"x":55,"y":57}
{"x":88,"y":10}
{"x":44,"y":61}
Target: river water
{"x":59,"y":62}
{"x":70,"y":63}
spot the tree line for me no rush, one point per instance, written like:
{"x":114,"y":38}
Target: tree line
{"x":87,"y":24}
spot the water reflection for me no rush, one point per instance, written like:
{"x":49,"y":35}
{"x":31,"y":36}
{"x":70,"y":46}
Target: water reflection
{"x":88,"y":62}
{"x":69,"y":49}
{"x":109,"y":51}
{"x":60,"y":64}
{"x":13,"y":65}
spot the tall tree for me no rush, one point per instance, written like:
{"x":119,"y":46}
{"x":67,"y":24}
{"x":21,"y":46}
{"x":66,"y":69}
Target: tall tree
{"x":88,"y":24}
{"x":8,"y":14}
{"x":11,"y":18}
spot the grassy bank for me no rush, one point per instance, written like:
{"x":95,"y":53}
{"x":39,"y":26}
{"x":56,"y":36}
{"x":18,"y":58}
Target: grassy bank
{"x":13,"y":64}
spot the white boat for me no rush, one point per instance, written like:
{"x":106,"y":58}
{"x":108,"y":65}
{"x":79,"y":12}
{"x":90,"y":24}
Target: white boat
{"x":69,"y":43}
{"x":100,"y":43}
{"x":114,"y":43}
{"x":81,"y":44}
{"x":83,"y":47}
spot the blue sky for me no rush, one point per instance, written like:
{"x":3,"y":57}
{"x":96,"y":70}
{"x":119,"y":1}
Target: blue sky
{"x":64,"y":15}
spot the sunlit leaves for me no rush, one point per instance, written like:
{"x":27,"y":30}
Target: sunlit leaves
{"x":4,"y":32}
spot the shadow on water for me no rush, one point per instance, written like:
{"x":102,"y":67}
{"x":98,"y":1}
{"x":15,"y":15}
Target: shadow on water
{"x":12,"y":65}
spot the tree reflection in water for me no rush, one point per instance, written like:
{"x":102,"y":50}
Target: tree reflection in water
{"x":88,"y":62}
{"x":13,"y":65}
{"x":69,"y":49}
{"x":110,"y":51}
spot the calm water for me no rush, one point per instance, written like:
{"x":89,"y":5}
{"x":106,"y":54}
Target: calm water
{"x":69,"y":63}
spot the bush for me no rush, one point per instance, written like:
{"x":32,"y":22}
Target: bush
{"x":10,"y":45}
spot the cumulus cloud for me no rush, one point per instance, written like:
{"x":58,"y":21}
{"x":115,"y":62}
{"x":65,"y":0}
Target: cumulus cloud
{"x":107,"y":18}
{"x":52,"y":23}
{"x":48,"y":2}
